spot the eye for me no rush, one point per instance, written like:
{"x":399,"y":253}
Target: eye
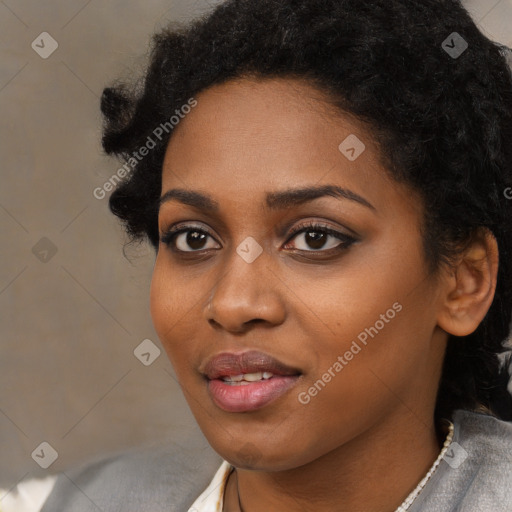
{"x":315,"y":237}
{"x":181,"y":239}
{"x":318,"y":237}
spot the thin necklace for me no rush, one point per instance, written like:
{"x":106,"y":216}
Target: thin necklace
{"x":414,"y":494}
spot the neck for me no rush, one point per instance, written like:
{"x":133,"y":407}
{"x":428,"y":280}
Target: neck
{"x":374,"y":472}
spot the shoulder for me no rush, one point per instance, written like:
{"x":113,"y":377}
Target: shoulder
{"x":489,"y":439}
{"x":486,"y":462}
{"x":165,"y":478}
{"x":475,"y":474}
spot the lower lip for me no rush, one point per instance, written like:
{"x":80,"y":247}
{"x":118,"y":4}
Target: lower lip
{"x":250,"y":396}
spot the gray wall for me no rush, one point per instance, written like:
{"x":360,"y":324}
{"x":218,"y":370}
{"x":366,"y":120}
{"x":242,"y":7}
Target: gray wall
{"x":70,"y":321}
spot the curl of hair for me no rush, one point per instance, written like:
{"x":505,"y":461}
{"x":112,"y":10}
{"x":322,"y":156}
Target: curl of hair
{"x":443,"y":125}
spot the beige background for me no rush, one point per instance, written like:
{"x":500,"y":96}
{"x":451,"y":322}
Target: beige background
{"x":69,"y":326}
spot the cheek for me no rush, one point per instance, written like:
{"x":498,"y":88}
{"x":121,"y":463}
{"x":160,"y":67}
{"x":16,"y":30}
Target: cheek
{"x":168,"y":307}
{"x":380,"y":325}
{"x":355,"y":381}
{"x":159,"y":301}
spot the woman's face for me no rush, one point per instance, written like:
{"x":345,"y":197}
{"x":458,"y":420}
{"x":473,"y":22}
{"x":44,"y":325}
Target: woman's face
{"x":352,"y":313}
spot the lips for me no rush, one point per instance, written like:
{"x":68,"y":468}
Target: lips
{"x":229,"y":364}
{"x":247,"y":381}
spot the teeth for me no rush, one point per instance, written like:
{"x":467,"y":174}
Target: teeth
{"x":249,"y":377}
{"x":234,"y":378}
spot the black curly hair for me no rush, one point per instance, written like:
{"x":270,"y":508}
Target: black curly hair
{"x":443,"y":123}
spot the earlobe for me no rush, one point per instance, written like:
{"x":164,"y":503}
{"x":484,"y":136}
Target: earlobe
{"x":470,"y":287}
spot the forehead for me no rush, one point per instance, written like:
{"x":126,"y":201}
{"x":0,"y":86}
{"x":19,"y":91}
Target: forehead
{"x":270,"y":108}
{"x":246,"y":138}
{"x":277,"y":126}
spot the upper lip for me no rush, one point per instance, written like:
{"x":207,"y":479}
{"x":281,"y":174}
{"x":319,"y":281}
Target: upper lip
{"x":227,"y":364}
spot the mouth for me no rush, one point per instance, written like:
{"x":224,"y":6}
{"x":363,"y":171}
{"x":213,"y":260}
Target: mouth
{"x":243,"y":379}
{"x":247,"y":381}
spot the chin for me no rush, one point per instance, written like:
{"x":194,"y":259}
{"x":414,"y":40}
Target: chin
{"x":261,"y":457}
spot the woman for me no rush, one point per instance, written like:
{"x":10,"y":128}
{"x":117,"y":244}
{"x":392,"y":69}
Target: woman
{"x":325,"y":186}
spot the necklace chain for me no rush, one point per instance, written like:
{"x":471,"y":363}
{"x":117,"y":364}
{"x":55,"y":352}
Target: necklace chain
{"x":414,"y":494}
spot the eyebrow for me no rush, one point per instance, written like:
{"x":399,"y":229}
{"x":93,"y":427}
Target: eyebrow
{"x":274,"y":200}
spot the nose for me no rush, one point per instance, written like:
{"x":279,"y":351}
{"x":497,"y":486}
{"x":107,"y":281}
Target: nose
{"x":247,"y":294}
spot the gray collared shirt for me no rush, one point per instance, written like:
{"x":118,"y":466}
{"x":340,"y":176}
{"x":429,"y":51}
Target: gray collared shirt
{"x":475,"y":475}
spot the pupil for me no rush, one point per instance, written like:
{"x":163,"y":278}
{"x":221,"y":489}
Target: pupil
{"x":313,"y":238}
{"x":195,"y":239}
{"x":316,"y":242}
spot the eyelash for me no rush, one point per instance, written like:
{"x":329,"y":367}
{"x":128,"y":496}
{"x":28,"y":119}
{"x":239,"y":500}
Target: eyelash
{"x":346,"y":241}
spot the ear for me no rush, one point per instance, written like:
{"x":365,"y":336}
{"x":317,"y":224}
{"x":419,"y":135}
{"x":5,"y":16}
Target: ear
{"x":470,"y":286}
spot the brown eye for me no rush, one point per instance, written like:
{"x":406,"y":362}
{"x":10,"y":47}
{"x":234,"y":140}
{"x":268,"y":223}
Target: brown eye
{"x":316,"y":237}
{"x":187,"y":239}
{"x":316,"y":240}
